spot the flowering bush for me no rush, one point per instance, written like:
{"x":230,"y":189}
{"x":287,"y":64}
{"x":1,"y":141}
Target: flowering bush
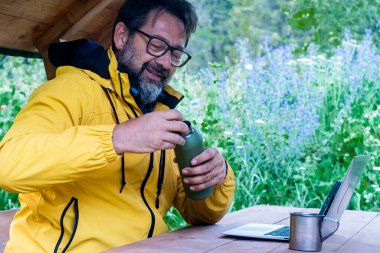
{"x":290,"y":126}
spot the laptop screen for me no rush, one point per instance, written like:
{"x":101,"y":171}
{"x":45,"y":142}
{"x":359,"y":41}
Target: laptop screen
{"x":345,"y":191}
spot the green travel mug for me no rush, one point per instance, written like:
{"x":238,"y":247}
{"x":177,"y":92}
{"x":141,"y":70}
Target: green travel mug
{"x":184,"y":154}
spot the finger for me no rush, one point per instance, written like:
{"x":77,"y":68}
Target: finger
{"x":206,"y":155}
{"x":167,"y":145}
{"x":199,"y":178}
{"x":178,"y":127}
{"x":203,"y":182}
{"x":200,"y":187}
{"x":172,"y":115}
{"x":200,"y":169}
{"x":173,"y":138}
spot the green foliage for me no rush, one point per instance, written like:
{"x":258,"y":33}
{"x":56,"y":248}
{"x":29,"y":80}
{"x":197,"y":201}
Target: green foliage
{"x":323,"y":22}
{"x":174,"y":220}
{"x":354,"y":131}
{"x":289,"y":126}
{"x":271,"y":170}
{"x":18,"y":78}
{"x":280,"y":22}
{"x":8,"y":200}
{"x":209,"y":42}
{"x":222,"y":22}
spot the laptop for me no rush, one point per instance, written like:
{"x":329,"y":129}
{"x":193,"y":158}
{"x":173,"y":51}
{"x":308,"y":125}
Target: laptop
{"x":333,"y":207}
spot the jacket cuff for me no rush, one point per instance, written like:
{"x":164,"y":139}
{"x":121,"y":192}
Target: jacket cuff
{"x":106,"y":141}
{"x":230,"y":177}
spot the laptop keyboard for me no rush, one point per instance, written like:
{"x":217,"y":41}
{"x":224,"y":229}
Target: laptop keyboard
{"x":284,"y":231}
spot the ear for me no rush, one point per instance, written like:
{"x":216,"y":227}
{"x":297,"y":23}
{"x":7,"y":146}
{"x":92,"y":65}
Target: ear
{"x":120,"y":35}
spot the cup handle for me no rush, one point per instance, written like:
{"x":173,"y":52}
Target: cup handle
{"x":337,"y":226}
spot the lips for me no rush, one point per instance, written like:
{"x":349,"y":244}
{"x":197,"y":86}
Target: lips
{"x":155,"y":72}
{"x":155,"y":75}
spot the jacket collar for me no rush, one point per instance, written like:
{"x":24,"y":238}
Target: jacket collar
{"x":102,"y":66}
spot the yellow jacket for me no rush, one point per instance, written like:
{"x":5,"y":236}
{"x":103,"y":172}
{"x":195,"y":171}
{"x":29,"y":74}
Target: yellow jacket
{"x":59,"y":156}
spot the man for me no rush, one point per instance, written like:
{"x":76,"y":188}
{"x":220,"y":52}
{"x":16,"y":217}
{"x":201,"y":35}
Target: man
{"x":91,"y":154}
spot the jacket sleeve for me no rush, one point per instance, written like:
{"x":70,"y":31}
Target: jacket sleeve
{"x":211,"y":209}
{"x":47,"y":144}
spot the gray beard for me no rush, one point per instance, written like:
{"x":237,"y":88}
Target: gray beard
{"x":148,"y":91}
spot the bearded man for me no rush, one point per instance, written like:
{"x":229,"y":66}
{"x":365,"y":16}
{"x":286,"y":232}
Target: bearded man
{"x":91,"y":154}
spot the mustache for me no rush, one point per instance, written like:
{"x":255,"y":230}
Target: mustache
{"x":164,"y":73}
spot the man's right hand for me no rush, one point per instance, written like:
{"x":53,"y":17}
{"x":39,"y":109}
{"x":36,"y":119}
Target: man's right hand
{"x":150,"y":132}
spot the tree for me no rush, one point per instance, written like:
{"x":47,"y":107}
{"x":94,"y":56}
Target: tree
{"x":323,"y":22}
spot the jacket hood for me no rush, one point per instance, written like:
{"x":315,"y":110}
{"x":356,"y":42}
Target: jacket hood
{"x":88,"y":55}
{"x":83,"y":54}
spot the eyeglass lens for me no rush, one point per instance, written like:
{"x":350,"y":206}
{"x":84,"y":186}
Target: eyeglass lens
{"x":158,"y":48}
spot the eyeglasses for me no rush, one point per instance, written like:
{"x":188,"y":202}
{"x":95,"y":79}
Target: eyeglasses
{"x":157,"y":47}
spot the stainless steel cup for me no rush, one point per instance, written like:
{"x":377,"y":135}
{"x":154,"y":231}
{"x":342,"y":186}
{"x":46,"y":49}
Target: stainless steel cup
{"x":306,"y":231}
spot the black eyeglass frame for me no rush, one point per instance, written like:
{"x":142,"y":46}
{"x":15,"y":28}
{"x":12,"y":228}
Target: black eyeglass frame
{"x":169,"y":48}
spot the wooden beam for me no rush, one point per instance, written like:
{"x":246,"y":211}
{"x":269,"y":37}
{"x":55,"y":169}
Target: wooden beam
{"x":104,"y":36}
{"x":18,"y":33}
{"x":55,"y":32}
{"x":88,"y":17}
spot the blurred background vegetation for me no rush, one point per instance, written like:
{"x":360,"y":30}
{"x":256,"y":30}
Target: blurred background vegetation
{"x":288,"y":90}
{"x":280,"y":22}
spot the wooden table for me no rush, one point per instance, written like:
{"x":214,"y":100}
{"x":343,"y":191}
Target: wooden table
{"x":5,"y":221}
{"x":359,"y":232}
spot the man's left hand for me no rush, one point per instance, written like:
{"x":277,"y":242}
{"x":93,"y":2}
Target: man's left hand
{"x":209,"y":169}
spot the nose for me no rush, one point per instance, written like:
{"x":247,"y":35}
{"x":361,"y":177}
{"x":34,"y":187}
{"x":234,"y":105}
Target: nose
{"x":165,"y":60}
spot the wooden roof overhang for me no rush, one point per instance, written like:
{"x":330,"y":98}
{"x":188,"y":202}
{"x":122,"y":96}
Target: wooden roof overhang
{"x":28,"y":27}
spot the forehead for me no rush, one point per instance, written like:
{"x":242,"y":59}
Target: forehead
{"x":167,"y":27}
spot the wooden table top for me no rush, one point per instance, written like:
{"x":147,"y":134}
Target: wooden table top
{"x":5,"y":221}
{"x":359,"y":232}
